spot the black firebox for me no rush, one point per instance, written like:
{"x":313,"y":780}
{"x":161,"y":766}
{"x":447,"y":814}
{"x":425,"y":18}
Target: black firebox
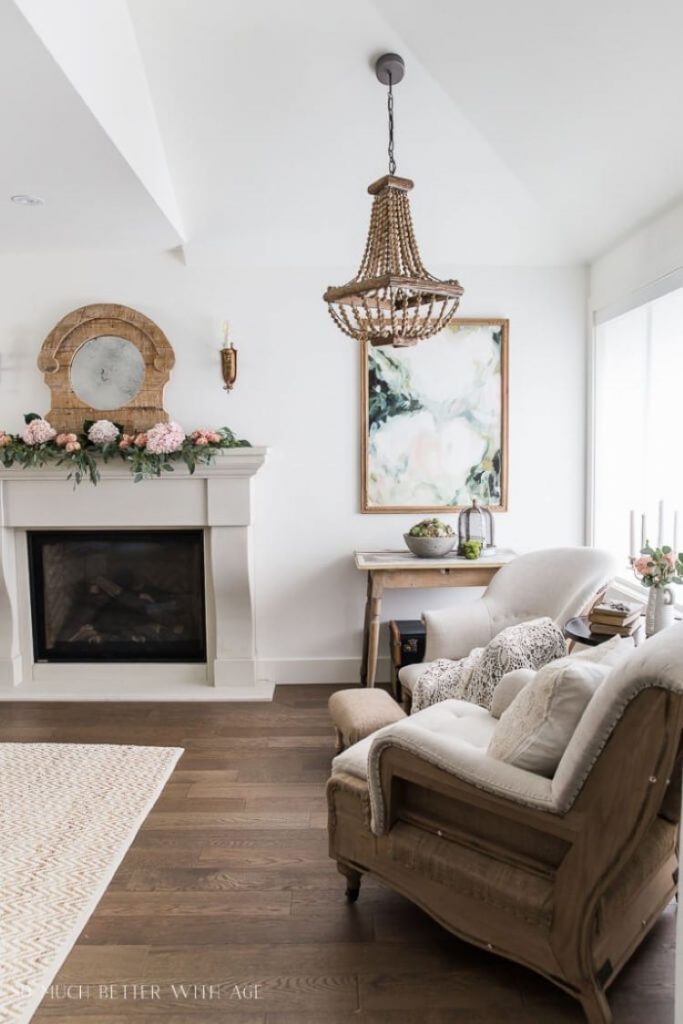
{"x":118,"y":595}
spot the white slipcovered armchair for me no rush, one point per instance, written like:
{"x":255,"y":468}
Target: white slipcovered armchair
{"x":557,"y":582}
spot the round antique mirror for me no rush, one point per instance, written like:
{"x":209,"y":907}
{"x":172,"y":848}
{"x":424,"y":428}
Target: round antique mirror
{"x":109,"y":362}
{"x":107,"y":372}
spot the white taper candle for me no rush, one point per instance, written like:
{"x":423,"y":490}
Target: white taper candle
{"x":675,"y":543}
{"x":632,"y":535}
{"x":643,"y":531}
{"x":660,"y":526}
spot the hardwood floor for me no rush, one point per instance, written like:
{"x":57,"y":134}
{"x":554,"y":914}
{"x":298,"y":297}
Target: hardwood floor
{"x":229,"y":884}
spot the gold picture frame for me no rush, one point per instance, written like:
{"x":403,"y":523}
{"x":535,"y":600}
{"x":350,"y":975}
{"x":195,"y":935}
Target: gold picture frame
{"x":369,"y":504}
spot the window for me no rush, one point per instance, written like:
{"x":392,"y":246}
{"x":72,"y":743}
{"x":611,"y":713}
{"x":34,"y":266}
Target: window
{"x":638,"y":419}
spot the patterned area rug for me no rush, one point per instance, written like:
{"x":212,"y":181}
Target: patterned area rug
{"x":69,"y":812}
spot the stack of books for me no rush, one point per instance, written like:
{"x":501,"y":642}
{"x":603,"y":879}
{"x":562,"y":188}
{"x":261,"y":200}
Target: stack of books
{"x":615,"y":618}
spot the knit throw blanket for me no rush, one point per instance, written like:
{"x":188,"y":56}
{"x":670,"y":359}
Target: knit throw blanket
{"x":474,"y":678}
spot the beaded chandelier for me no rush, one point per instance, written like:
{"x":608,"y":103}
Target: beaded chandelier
{"x":393,"y":299}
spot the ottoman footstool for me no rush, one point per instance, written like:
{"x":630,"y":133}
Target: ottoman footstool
{"x":357,"y":713}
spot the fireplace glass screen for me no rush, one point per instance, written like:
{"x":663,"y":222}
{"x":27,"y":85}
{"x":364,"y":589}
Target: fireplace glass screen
{"x":118,"y":596}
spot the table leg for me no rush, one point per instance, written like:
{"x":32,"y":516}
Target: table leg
{"x":366,"y":635}
{"x":375,"y":603}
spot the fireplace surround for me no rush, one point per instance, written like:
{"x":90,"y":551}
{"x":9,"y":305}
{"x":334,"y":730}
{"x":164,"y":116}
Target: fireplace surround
{"x":215,"y":504}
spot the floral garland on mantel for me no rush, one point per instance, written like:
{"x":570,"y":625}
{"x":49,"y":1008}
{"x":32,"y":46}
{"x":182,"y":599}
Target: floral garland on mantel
{"x":148,"y":454}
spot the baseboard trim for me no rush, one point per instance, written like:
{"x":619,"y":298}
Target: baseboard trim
{"x":305,"y":671}
{"x":137,"y":690}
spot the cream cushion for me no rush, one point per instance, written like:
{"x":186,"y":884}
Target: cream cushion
{"x":409,"y":674}
{"x":455,"y":720}
{"x":537,"y":724}
{"x":357,"y":713}
{"x":610,"y":653}
{"x":533,"y":732}
{"x":508,"y":688}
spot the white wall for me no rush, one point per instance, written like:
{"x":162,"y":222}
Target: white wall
{"x":298,"y":391}
{"x":645,"y":256}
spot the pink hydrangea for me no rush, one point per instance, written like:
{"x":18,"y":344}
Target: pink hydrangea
{"x":165,"y":438}
{"x":103,"y":432}
{"x":37,"y":432}
{"x":5,"y":439}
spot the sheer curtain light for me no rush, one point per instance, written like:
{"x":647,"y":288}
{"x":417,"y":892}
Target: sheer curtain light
{"x":638,"y":483}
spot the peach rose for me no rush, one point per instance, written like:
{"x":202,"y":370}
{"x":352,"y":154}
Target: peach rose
{"x":642,"y":565}
{"x":72,"y":446}
{"x":5,"y":439}
{"x":62,"y":440}
{"x":126,"y":441}
{"x":203,"y":437}
{"x":140,"y":440}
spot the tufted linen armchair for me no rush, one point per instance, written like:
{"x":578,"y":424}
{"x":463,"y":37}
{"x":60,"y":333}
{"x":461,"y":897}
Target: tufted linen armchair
{"x":564,"y":874}
{"x":557,"y":582}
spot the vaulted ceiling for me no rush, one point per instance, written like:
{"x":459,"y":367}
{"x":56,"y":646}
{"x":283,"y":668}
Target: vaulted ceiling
{"x":536,"y":132}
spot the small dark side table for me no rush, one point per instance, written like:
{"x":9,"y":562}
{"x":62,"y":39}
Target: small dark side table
{"x":578,"y":630}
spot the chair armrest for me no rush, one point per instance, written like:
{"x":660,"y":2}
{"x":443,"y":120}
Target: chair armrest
{"x":400,"y":771}
{"x":454,"y":632}
{"x":456,"y":758}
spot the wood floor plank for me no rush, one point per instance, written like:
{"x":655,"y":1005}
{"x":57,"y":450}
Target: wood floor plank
{"x":195,"y":904}
{"x":225,"y":927}
{"x":229,"y":883}
{"x":457,"y":990}
{"x":218,"y":880}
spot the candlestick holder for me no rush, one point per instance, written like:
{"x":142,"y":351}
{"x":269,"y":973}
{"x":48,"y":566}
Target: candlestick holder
{"x":229,"y":366}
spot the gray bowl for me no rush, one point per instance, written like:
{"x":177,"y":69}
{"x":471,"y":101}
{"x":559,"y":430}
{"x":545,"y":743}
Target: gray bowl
{"x":430,"y":547}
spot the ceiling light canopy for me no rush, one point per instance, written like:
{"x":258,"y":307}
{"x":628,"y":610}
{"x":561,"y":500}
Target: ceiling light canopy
{"x":393,"y":299}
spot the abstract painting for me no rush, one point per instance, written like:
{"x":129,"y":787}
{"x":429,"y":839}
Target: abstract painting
{"x":434,"y":430}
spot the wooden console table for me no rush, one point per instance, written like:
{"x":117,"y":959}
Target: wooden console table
{"x":401,"y":569}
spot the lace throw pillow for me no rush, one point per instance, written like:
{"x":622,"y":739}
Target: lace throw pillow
{"x":474,"y":678}
{"x":534,"y":731}
{"x":524,"y":645}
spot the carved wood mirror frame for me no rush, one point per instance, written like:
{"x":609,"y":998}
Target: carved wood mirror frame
{"x":82,"y":325}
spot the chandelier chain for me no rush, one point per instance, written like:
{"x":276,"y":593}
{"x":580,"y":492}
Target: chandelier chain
{"x":390,"y":112}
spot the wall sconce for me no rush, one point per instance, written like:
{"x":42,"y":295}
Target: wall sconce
{"x":228,"y":359}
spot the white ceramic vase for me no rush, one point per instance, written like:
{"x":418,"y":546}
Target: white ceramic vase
{"x":660,"y":610}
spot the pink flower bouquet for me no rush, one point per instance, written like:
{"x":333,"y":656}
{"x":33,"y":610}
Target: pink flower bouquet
{"x":658,"y":567}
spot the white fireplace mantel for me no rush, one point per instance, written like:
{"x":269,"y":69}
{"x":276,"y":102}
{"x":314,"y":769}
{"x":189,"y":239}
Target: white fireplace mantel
{"x":216,"y":498}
